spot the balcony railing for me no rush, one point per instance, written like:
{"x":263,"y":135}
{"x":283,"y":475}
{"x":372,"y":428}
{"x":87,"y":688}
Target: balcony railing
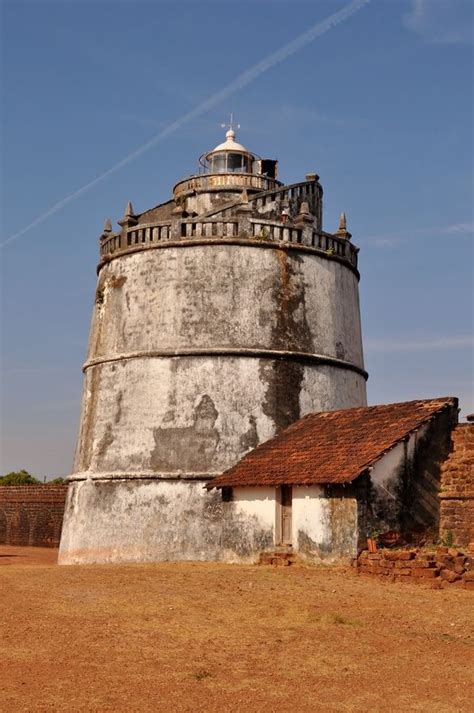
{"x":137,"y":235}
{"x":265,"y":201}
{"x":223,"y":181}
{"x":209,"y":229}
{"x":254,"y":229}
{"x":269,"y":230}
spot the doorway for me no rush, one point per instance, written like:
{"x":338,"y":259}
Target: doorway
{"x":284,"y":526}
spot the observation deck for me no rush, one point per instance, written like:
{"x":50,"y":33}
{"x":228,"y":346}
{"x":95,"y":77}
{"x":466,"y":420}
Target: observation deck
{"x":254,"y":231}
{"x":205,"y":182}
{"x":235,"y":199}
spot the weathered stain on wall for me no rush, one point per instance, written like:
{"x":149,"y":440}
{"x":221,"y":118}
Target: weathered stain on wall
{"x":180,"y":520}
{"x":421,"y":490}
{"x":249,"y":439}
{"x":189,"y":448}
{"x":324,"y":524}
{"x":206,"y":296}
{"x":283,"y":382}
{"x":158,"y":396}
{"x":160,"y":520}
{"x":402,"y":491}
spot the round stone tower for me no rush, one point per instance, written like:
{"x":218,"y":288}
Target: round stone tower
{"x":220,"y":317}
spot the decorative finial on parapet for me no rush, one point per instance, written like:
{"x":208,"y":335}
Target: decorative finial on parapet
{"x":107,"y":229}
{"x":129,"y":219}
{"x":342,"y":231}
{"x":304,"y":219}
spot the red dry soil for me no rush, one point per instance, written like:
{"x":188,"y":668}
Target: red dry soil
{"x":211,"y":637}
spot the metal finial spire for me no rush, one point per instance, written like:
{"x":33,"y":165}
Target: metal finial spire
{"x":230,"y":134}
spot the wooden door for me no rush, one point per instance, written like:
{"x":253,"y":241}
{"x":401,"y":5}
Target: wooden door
{"x":286,"y":500}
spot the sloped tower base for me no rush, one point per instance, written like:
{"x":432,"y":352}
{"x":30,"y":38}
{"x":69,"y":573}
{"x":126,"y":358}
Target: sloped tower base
{"x":149,"y":516}
{"x":142,"y":521}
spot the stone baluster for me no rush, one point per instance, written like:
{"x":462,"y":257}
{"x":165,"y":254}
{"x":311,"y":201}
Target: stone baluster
{"x":305,"y":221}
{"x":178,"y":215}
{"x":244,"y":212}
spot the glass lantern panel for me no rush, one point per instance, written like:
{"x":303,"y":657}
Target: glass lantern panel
{"x":235,"y":163}
{"x":218,"y":163}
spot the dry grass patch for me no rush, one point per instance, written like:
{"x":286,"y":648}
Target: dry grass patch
{"x":208,"y":637}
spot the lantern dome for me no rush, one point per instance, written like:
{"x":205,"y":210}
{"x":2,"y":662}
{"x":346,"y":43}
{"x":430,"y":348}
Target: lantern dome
{"x":229,"y":144}
{"x":229,"y":157}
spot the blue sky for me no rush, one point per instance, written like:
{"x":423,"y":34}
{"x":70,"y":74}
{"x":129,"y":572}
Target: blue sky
{"x":380,"y":106}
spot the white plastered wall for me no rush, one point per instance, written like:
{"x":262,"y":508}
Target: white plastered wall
{"x":323,"y":527}
{"x":257,"y":502}
{"x":309,"y":513}
{"x":386,"y":468}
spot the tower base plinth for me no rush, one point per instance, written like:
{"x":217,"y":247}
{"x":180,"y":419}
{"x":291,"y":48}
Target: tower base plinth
{"x":145,"y":520}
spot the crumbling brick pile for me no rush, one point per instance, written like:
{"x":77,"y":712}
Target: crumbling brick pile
{"x":443,"y":567}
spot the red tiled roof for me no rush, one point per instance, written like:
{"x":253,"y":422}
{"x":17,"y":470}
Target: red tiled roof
{"x":331,"y":447}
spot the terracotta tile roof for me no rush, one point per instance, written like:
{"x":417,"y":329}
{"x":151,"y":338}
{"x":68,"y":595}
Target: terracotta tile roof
{"x":331,"y":447}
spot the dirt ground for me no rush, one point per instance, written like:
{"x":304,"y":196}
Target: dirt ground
{"x":27,"y":555}
{"x":208,"y":637}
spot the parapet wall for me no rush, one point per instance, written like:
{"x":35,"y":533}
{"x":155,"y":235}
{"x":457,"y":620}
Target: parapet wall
{"x":457,"y":488}
{"x":31,"y":515}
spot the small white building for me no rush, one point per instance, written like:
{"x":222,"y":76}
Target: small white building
{"x":323,"y":485}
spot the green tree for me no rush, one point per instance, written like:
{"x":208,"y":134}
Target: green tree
{"x":22,"y":477}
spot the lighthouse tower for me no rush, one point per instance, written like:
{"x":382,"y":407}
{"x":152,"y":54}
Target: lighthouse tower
{"x":220,"y":317}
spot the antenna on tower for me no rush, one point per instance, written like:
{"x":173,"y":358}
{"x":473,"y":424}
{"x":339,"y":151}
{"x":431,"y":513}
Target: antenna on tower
{"x":231,"y":126}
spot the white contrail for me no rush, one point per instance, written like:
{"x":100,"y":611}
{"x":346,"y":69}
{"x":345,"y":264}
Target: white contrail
{"x":238,"y":83}
{"x":382,"y":345}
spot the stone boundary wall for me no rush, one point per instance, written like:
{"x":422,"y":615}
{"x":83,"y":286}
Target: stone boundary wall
{"x":457,"y":488}
{"x":441,"y":568}
{"x":31,"y":515}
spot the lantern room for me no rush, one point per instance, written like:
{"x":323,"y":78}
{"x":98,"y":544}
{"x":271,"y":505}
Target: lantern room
{"x":232,"y":157}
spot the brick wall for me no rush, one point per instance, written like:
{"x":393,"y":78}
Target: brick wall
{"x":457,"y":487}
{"x":31,"y":514}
